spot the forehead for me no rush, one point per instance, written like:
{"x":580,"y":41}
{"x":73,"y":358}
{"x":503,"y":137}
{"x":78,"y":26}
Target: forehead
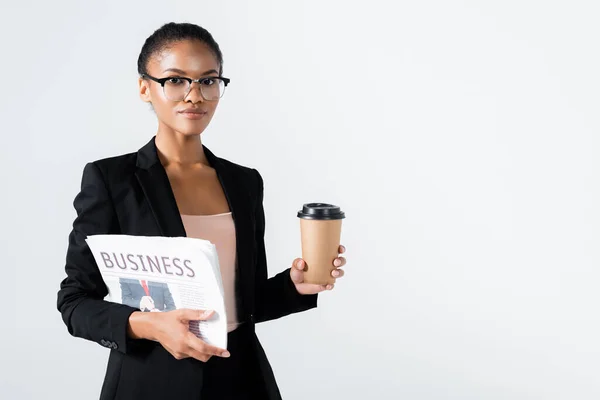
{"x":191,"y":56}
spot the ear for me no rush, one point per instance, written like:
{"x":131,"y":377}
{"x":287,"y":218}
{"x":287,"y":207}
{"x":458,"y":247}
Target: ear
{"x":144,"y":90}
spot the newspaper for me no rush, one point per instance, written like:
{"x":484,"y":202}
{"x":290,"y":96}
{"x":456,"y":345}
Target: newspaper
{"x":159,"y":274}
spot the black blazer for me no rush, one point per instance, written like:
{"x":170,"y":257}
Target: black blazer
{"x":132,"y":292}
{"x":131,"y":194}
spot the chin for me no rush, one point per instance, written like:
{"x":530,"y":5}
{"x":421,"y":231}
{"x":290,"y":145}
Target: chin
{"x":190,"y":130}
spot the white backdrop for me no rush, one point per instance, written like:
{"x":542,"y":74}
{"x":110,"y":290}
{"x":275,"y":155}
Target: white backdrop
{"x":460,"y":137}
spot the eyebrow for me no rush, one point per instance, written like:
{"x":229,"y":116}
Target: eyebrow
{"x":178,"y":71}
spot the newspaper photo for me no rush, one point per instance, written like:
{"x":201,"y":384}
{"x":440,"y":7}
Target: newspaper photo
{"x":160,"y":274}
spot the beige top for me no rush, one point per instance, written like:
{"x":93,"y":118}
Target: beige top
{"x":219,"y":229}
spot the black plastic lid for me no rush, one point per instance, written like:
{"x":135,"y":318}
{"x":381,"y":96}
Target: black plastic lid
{"x":321,"y":211}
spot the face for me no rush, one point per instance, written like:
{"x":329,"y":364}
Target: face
{"x":190,"y":59}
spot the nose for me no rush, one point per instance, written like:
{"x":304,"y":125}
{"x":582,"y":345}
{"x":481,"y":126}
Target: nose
{"x":194,"y":95}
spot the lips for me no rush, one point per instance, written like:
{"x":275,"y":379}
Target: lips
{"x":192,"y":111}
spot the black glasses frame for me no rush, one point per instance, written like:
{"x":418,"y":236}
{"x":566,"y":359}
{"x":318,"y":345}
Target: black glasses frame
{"x":162,"y":81}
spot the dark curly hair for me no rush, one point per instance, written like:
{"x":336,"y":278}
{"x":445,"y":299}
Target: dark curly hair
{"x":176,"y":32}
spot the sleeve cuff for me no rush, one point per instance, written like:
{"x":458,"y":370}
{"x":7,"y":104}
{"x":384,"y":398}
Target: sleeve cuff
{"x":119,"y":322}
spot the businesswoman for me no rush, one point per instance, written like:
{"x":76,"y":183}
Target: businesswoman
{"x":175,"y":186}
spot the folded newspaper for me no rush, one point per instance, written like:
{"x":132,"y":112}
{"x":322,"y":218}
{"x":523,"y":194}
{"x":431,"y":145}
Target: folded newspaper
{"x":158,"y":274}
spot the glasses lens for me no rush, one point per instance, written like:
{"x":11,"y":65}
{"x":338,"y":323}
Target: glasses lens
{"x":212,"y":88}
{"x":176,"y":89}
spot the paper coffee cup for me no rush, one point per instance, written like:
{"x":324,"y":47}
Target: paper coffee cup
{"x":320,"y":229}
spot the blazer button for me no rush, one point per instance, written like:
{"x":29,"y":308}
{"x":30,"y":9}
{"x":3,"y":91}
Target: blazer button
{"x":251,"y":318}
{"x":104,"y":343}
{"x":114,"y":345}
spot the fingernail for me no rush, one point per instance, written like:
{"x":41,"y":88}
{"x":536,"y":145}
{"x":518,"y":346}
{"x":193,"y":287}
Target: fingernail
{"x":300,"y":264}
{"x":225,"y":354}
{"x":335,"y":273}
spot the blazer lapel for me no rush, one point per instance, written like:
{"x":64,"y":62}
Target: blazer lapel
{"x":157,"y":189}
{"x":235,"y":192}
{"x":240,"y":201}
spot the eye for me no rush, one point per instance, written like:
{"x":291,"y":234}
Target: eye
{"x":209,"y":81}
{"x":174,"y":81}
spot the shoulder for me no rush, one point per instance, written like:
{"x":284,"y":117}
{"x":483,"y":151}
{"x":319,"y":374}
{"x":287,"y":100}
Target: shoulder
{"x":115,"y":172}
{"x":101,"y":175}
{"x":247,"y":174}
{"x":115,"y":166}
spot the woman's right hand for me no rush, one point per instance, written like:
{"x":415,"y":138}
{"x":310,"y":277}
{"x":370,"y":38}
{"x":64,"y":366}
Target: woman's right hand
{"x":171,"y":329}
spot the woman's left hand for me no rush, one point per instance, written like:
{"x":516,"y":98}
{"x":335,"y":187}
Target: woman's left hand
{"x":297,"y":275}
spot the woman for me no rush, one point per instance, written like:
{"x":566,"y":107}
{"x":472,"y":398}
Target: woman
{"x":175,"y":186}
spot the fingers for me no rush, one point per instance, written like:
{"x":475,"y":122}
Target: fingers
{"x":299,"y":264}
{"x":337,"y":273}
{"x":339,"y":262}
{"x":200,"y":349}
{"x":297,"y":275}
{"x":176,"y":337}
{"x":297,"y":271}
{"x":329,"y":286}
{"x":186,"y":314}
{"x":196,"y":348}
{"x":341,"y":249}
{"x":311,"y":288}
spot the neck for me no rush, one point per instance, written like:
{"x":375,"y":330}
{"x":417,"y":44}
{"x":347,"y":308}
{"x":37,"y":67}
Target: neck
{"x":177,"y":148}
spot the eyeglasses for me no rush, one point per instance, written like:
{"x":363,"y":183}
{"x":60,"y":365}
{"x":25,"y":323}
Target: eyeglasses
{"x":176,"y":88}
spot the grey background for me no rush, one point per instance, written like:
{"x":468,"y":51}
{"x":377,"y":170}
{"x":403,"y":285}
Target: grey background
{"x":460,"y":137}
